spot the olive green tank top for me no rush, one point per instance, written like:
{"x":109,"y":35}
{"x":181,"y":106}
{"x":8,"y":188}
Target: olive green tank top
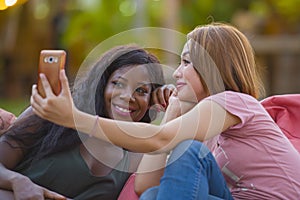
{"x":68,"y":174}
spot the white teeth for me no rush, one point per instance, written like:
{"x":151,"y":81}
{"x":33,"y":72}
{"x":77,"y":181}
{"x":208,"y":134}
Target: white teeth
{"x":123,"y":109}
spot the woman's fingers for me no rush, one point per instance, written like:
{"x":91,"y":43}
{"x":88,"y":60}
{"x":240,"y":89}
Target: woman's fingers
{"x":158,"y":100}
{"x":55,"y":108}
{"x":35,"y":96}
{"x":53,"y":195}
{"x":161,"y":95}
{"x":64,"y":82}
{"x":66,"y":92}
{"x":157,"y":97}
{"x":35,"y":100}
{"x":38,"y":103}
{"x":168,"y":92}
{"x":46,"y":85}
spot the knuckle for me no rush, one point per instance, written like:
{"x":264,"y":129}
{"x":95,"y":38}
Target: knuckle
{"x":50,"y":102}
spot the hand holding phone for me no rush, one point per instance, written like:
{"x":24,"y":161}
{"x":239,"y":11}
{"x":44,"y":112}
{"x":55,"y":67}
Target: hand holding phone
{"x":51,"y":62}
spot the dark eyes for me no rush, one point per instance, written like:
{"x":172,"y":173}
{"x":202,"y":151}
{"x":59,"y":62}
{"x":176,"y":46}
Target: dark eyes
{"x":185,"y":62}
{"x":139,"y":90}
{"x":118,"y":84}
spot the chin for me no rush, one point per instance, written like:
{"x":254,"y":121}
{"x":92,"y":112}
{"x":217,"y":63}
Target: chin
{"x":186,"y":97}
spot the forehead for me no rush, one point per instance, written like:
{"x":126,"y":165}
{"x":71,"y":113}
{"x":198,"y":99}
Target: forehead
{"x":185,"y":50}
{"x":133,"y":72}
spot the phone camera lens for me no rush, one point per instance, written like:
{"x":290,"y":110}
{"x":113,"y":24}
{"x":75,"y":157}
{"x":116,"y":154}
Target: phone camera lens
{"x":50,"y":60}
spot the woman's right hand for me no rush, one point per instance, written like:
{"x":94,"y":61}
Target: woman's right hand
{"x":58,"y":109}
{"x":24,"y":189}
{"x":176,"y":107}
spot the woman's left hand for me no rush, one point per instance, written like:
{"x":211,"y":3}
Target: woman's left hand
{"x":57,"y":109}
{"x":161,"y":96}
{"x":6,"y":119}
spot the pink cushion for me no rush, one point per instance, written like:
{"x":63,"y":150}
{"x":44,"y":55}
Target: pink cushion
{"x":285,"y":110}
{"x":127,"y":192}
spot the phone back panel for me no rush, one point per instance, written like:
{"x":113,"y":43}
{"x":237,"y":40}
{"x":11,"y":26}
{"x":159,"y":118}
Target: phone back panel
{"x":51,"y":62}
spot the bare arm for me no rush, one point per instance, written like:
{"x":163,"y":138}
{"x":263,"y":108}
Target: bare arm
{"x":151,"y":168}
{"x":205,"y":120}
{"x":149,"y":172}
{"x":9,"y":158}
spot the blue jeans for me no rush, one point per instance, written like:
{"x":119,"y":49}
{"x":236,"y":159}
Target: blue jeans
{"x":191,"y":173}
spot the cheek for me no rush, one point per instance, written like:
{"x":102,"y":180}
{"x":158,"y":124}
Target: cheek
{"x":198,"y":88}
{"x":108,"y":96}
{"x":144,"y":102}
{"x":110,"y":93}
{"x":195,"y":85}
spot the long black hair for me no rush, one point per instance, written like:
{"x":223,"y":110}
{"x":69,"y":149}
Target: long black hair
{"x":39,"y":138}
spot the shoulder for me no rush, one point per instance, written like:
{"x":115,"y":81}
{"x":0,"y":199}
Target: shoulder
{"x":229,"y":98}
{"x":240,"y":105}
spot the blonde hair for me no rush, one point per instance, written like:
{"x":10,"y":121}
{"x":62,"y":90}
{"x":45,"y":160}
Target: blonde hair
{"x":224,"y":59}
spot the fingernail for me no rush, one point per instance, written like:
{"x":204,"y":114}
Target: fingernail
{"x":157,"y":109}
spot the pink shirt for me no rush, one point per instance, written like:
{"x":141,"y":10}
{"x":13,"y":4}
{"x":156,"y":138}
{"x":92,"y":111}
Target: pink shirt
{"x":256,"y":158}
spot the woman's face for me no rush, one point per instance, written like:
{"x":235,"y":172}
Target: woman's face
{"x":188,"y":82}
{"x":127,"y":94}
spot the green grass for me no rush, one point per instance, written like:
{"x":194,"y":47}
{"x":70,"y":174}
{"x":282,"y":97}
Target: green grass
{"x":15,"y":106}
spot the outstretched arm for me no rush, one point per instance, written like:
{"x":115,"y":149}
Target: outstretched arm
{"x":151,"y":167}
{"x":202,"y":122}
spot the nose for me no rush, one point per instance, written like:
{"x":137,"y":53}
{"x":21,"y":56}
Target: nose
{"x":177,"y":73}
{"x":127,"y":96}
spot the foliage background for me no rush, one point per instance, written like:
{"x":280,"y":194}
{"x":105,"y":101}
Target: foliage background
{"x":79,"y":25}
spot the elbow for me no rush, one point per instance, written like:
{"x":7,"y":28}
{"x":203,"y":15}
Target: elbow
{"x":159,"y":144}
{"x":139,"y":186}
{"x":138,"y":189}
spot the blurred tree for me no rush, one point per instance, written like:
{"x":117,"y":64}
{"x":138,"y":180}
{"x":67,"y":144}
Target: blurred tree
{"x":79,"y":25}
{"x":94,"y":21}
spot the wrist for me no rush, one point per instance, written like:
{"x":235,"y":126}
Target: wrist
{"x":84,"y":122}
{"x":75,"y":118}
{"x":17,"y":178}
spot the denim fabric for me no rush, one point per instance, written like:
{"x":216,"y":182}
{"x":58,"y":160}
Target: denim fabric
{"x":191,"y":173}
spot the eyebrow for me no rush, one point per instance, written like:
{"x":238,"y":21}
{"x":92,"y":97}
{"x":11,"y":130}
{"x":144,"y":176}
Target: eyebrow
{"x":185,"y":53}
{"x":144,"y":83}
{"x":139,"y":83}
{"x":120,"y":77}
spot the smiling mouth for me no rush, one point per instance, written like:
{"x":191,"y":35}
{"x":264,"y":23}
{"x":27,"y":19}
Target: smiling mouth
{"x":179,"y":85}
{"x":124,"y":110}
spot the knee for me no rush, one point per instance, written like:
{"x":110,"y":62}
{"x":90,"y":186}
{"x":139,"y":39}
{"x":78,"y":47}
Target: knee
{"x":192,"y":146}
